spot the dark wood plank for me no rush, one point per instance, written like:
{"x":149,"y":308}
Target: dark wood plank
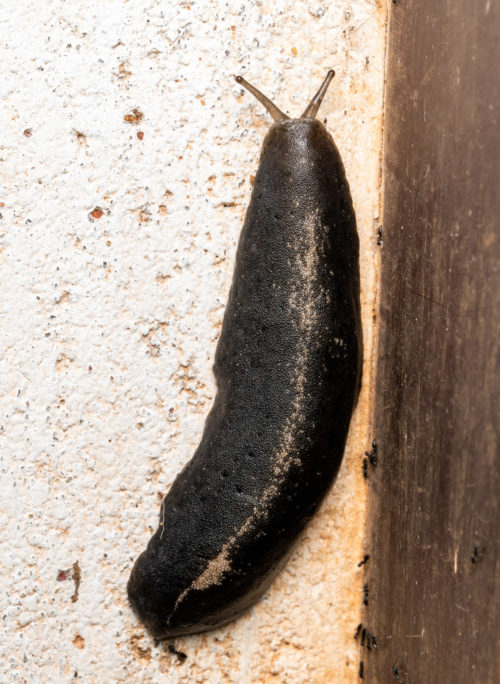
{"x":433,"y":573}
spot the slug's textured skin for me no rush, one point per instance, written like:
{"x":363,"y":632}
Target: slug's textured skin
{"x":288,"y":369}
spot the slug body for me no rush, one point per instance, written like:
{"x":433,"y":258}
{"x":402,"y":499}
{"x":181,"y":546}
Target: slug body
{"x":288,"y":370}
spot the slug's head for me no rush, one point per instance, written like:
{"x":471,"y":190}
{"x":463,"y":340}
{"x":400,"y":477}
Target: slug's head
{"x":295,"y":149}
{"x":278,"y":116}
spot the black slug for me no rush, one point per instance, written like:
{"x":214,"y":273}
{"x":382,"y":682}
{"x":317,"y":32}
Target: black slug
{"x":288,"y":374}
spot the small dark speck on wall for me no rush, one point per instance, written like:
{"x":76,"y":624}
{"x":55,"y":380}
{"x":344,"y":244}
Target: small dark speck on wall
{"x":372,"y":455}
{"x":365,"y":595}
{"x":179,"y":654}
{"x":366,"y":558}
{"x":77,"y":578}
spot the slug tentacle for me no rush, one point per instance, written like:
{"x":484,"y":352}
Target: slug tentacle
{"x":312,"y":108}
{"x":276,"y":113}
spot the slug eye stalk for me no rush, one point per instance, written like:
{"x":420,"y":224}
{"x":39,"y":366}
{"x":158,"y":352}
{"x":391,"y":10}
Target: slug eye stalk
{"x":310,"y":111}
{"x":312,"y":108}
{"x":276,"y":113}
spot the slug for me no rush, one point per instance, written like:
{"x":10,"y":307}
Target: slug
{"x":288,"y":374}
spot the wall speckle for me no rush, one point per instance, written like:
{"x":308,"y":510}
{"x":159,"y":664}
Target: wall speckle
{"x":126,"y":161}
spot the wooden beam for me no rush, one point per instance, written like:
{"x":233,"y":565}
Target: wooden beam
{"x":433,"y":573}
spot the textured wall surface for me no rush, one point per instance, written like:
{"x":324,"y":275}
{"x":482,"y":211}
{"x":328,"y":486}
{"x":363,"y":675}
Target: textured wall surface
{"x":126,"y":159}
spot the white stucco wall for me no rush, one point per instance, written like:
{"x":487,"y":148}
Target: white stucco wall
{"x":116,"y":256}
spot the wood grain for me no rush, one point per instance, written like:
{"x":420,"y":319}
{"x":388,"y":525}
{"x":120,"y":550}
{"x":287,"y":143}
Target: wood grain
{"x":433,"y":574}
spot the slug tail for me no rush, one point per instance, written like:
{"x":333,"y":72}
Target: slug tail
{"x":313,"y":106}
